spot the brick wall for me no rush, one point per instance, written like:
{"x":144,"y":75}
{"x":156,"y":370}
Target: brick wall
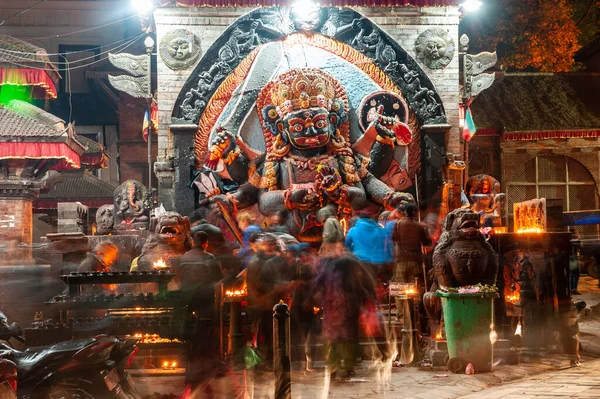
{"x":133,"y":150}
{"x":16,"y":219}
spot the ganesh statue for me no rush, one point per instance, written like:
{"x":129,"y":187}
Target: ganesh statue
{"x":310,"y":161}
{"x":131,"y":211}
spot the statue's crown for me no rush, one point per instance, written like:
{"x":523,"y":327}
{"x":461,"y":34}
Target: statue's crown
{"x":303,"y":88}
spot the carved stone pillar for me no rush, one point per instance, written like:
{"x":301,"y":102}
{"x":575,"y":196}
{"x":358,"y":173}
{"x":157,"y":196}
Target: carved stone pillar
{"x":183,"y":197}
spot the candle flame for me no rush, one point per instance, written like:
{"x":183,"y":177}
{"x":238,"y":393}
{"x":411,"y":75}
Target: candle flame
{"x":241,"y":292}
{"x":518,"y":331}
{"x":160,"y":264}
{"x":514,"y":297}
{"x":530,"y":230}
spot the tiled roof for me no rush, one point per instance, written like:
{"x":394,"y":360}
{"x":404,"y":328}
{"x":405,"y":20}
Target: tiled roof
{"x":15,"y":123}
{"x":92,"y":147}
{"x":21,"y":52}
{"x":540,"y":102}
{"x":22,"y":121}
{"x":77,"y":185}
{"x":16,"y":53}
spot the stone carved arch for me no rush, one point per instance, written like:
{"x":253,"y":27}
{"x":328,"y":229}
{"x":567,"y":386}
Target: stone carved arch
{"x":341,"y":24}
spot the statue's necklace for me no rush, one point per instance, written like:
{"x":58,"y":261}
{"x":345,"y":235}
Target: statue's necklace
{"x":308,"y":163}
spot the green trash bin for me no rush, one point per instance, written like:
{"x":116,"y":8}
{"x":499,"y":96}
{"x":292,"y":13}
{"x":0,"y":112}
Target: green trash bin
{"x":468,"y":321}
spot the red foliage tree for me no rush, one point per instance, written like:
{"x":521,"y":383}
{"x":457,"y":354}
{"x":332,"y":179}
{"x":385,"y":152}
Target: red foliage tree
{"x":534,"y":35}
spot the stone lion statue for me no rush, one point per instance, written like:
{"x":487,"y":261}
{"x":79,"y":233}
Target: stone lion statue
{"x":169,"y":240}
{"x":462,"y":256}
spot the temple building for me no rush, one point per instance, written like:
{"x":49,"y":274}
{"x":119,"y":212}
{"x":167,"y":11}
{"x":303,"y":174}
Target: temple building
{"x":32,"y":142}
{"x":80,"y":185}
{"x":540,"y":134}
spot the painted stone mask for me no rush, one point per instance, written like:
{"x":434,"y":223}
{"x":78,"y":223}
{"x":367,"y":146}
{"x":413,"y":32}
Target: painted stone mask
{"x":308,"y":128}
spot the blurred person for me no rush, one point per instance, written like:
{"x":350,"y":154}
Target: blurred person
{"x":333,"y":233}
{"x":277,"y":222}
{"x":345,"y":289}
{"x":574,"y":261}
{"x":304,"y":312}
{"x":367,"y":241}
{"x":197,"y":274}
{"x":247,"y":225}
{"x":204,"y":267}
{"x":261,"y":283}
{"x":432,"y":220}
{"x":101,"y":259}
{"x":409,"y":237}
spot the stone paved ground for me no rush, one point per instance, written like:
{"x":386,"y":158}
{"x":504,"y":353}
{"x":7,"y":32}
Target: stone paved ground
{"x":547,"y":376}
{"x":578,"y":382}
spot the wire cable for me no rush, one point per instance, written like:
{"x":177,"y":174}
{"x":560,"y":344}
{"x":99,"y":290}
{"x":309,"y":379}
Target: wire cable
{"x":83,"y":30}
{"x":70,"y":90}
{"x":72,"y":52}
{"x":111,"y":50}
{"x":69,"y":69}
{"x":22,"y":11}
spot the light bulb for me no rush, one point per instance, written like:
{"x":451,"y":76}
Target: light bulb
{"x":471,"y":5}
{"x":142,"y":6}
{"x":149,"y":43}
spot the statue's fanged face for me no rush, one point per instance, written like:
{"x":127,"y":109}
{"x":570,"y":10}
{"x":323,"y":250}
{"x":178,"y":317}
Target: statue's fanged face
{"x":308,"y":128}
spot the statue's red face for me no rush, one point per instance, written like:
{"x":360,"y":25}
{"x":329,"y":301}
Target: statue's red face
{"x":308,"y":128}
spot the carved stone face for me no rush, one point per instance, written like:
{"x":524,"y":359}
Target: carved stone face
{"x":309,"y":128}
{"x":435,"y":48}
{"x":179,"y":48}
{"x":462,"y":219}
{"x":104,"y":219}
{"x":172,"y":228}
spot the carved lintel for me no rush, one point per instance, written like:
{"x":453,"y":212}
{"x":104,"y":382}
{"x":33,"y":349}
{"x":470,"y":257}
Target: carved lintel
{"x":136,"y":65}
{"x":135,"y":87}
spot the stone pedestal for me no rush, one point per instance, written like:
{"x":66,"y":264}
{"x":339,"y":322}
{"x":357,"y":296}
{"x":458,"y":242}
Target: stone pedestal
{"x":15,"y":219}
{"x":72,"y":217}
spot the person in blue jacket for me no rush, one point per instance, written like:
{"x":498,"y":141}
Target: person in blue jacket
{"x":368,"y":241}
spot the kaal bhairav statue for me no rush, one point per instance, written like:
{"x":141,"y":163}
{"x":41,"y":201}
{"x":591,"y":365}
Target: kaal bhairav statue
{"x":309,"y":161}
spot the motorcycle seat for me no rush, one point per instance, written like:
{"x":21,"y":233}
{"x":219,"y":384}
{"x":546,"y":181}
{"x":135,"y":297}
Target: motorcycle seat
{"x":32,"y":358}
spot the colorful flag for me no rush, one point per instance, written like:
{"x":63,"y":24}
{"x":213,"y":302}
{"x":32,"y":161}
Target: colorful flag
{"x":469,"y":128}
{"x":145,"y":126}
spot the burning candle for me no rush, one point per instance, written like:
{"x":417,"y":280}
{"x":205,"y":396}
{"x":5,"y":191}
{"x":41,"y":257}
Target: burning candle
{"x":160,"y":264}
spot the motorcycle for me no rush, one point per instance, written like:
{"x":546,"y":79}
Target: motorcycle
{"x":8,"y":379}
{"x":93,"y":368}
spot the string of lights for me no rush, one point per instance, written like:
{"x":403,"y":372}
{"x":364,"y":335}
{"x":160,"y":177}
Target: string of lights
{"x":20,"y":55}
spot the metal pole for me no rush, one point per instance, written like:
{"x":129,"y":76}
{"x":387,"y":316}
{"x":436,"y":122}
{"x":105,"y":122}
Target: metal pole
{"x":149,"y":51}
{"x":281,"y":351}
